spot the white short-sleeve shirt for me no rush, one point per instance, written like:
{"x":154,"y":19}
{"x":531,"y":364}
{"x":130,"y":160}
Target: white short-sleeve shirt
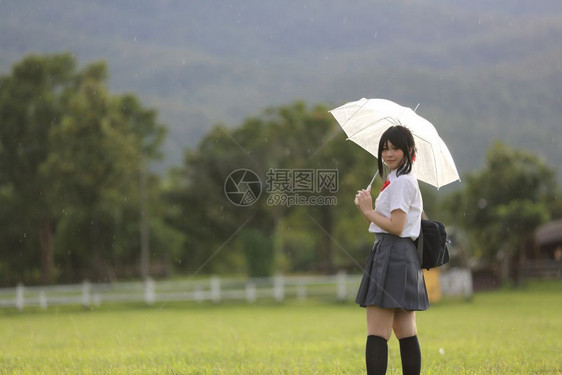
{"x":403,"y":193}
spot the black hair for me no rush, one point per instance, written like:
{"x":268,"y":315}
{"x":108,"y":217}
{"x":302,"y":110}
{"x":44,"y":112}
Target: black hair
{"x":401,"y":137}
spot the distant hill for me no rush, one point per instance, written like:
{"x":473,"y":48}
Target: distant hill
{"x":481,"y":70}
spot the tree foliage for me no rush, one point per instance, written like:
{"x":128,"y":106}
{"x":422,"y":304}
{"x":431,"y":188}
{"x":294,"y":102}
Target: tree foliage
{"x":502,"y":204}
{"x":70,"y":156}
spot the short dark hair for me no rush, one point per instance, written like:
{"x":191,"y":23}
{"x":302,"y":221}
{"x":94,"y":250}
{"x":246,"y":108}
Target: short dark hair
{"x":401,"y":137}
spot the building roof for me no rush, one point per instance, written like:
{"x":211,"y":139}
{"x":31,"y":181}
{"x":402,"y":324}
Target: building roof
{"x":549,"y":233}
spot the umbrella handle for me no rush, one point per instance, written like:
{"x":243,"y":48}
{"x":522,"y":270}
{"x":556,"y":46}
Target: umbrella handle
{"x":373,"y":180}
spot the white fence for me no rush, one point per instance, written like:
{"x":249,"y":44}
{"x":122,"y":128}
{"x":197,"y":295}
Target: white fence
{"x":456,"y":282}
{"x":340,"y":287}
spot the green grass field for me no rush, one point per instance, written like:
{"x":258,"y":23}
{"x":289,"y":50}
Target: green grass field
{"x":503,"y":332}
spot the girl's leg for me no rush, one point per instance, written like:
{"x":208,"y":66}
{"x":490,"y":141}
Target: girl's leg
{"x":405,"y":329}
{"x":379,"y":328}
{"x":404,"y":324}
{"x":379,"y":321}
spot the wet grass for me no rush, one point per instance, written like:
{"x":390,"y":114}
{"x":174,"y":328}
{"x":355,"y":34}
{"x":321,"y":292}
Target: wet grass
{"x":503,"y":332}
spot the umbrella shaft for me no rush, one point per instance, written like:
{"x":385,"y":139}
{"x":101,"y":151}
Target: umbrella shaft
{"x":373,"y":180}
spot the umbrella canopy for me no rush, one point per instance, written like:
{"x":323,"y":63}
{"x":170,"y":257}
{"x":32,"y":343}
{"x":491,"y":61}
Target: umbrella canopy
{"x":364,"y":121}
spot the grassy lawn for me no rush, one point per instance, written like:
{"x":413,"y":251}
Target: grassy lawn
{"x":503,"y":332}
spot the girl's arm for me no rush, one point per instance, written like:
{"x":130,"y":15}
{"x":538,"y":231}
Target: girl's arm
{"x":394,"y":224}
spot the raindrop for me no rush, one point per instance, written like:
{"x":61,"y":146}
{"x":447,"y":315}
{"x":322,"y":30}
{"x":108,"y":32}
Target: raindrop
{"x":134,"y":39}
{"x":183,"y":62}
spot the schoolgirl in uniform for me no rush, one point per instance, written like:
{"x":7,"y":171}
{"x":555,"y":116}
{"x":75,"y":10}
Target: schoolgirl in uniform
{"x":393,"y":286}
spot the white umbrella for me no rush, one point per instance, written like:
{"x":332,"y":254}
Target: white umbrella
{"x":364,"y":121}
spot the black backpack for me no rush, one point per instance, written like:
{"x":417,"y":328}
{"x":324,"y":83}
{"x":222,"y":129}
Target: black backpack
{"x":432,"y":244}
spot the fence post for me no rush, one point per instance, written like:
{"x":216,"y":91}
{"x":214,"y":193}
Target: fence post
{"x":198,"y":294}
{"x":278,"y":288}
{"x":301,"y":291}
{"x":43,"y":300}
{"x":20,"y":299}
{"x":468,"y":284}
{"x":215,"y":289}
{"x":251,"y":294}
{"x":149,"y":294}
{"x":86,"y":297}
{"x":342,"y":287}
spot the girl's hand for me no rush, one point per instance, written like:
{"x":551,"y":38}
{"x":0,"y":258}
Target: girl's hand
{"x":363,"y":200}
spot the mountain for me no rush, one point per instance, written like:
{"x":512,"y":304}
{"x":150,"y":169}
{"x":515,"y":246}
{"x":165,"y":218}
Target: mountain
{"x":480,"y":70}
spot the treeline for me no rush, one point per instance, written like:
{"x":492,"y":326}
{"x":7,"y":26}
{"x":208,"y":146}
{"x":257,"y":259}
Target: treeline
{"x":78,"y":199}
{"x":71,"y":160}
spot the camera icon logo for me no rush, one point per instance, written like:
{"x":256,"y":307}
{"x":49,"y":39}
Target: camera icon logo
{"x":242,"y":187}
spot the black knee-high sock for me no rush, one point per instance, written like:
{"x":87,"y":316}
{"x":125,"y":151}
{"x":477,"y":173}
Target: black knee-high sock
{"x":376,"y":355}
{"x":411,"y":355}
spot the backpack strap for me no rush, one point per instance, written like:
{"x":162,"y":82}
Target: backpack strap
{"x":420,"y":246}
{"x":420,"y":239}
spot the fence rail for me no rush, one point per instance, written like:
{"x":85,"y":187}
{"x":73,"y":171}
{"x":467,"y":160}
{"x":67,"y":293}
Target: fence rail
{"x":339,"y":287}
{"x":541,"y":269}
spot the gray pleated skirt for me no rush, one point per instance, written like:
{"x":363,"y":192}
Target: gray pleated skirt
{"x":393,"y":277}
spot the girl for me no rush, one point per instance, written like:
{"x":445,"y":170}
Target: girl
{"x":393,"y":286}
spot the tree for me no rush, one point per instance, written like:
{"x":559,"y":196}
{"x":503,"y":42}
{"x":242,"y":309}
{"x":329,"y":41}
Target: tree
{"x":91,"y":166}
{"x":502,"y":205}
{"x":30,"y":106}
{"x":71,"y":157}
{"x":148,"y":136}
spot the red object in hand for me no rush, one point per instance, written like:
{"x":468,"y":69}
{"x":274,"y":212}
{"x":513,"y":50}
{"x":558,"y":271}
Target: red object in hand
{"x":386,"y":183}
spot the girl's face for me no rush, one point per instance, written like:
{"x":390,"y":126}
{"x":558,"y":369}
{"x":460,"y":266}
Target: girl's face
{"x":392,"y":156}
